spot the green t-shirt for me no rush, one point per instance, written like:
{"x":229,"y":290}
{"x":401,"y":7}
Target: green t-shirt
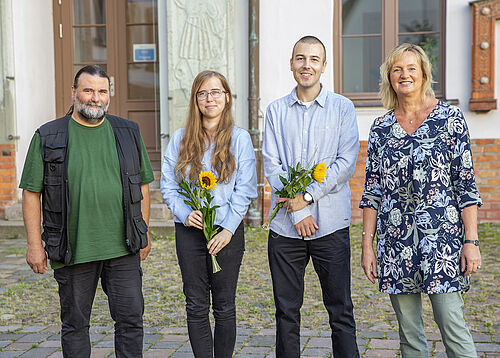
{"x":96,"y":227}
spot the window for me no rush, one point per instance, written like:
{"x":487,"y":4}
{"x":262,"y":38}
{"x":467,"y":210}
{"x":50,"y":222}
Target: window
{"x":366,"y":30}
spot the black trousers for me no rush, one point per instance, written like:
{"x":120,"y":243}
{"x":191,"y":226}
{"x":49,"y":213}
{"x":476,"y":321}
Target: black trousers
{"x":121,"y":280}
{"x":199,"y":282}
{"x":288,"y":258}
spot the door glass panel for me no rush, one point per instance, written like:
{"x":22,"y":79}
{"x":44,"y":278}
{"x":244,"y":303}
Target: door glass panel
{"x":418,"y":16}
{"x":361,"y":17}
{"x":430,"y":44}
{"x":77,"y":68}
{"x":143,"y":81}
{"x":363,"y":54}
{"x":139,"y":35}
{"x":90,"y":44}
{"x":141,"y":11}
{"x":89,"y":12}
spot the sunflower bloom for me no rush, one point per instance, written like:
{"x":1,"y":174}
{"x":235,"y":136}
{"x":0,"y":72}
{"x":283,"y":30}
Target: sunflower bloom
{"x":207,"y":180}
{"x":319,"y":172}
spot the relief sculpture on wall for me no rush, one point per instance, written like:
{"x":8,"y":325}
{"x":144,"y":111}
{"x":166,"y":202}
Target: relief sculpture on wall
{"x":200,"y":37}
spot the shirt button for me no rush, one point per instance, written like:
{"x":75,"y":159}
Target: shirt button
{"x":305,"y":132}
{"x":303,"y":150}
{"x":305,"y":114}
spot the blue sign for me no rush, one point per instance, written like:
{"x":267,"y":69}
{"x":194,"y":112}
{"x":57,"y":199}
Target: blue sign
{"x":144,"y":52}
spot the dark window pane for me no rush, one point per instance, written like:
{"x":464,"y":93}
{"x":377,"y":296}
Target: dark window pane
{"x":141,"y":11}
{"x":361,"y":17}
{"x":139,"y":35}
{"x":90,"y":44}
{"x":143,"y":81}
{"x":418,"y":16}
{"x":360,"y":64}
{"x":430,"y":44}
{"x":89,"y":12}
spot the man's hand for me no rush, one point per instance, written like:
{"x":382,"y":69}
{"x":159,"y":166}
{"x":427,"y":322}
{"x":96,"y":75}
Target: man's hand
{"x":470,"y":259}
{"x":369,"y":263}
{"x":145,"y":251}
{"x":295,"y":204}
{"x":307,"y":227}
{"x":37,"y":258}
{"x":219,"y":241}
{"x":195,"y":219}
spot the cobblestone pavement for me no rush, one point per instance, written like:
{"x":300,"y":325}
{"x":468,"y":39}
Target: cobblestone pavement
{"x":29,"y":325}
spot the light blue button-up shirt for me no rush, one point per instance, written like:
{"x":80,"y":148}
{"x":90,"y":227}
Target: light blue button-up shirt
{"x":327,"y":132}
{"x":232,"y":197}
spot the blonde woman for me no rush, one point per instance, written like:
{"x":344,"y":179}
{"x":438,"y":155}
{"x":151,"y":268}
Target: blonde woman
{"x":210,"y":141}
{"x":420,"y":200}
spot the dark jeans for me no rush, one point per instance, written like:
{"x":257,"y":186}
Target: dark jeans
{"x":199,"y":281}
{"x":121,"y":280}
{"x":288,"y":259}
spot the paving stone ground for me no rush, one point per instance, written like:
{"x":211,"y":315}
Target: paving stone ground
{"x":29,"y":325}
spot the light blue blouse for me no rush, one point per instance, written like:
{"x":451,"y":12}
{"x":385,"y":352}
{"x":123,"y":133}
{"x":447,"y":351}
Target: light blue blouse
{"x":232,"y":197}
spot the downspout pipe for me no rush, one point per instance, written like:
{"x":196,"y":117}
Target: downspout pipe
{"x":255,"y":214}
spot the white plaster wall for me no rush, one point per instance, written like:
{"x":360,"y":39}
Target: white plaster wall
{"x":282,"y":23}
{"x":459,"y":66}
{"x":34,"y":70}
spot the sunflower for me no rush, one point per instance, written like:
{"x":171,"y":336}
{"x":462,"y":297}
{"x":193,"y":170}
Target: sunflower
{"x":319,"y":172}
{"x":207,"y":180}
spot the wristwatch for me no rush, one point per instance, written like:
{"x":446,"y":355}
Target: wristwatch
{"x":475,"y":242}
{"x":308,"y":198}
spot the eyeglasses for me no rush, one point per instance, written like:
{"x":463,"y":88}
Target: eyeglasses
{"x":203,"y":95}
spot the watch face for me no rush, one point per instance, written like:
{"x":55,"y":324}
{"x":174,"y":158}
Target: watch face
{"x":308,"y":197}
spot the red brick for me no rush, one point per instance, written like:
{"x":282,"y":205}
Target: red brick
{"x":486,"y":189}
{"x":485,"y":158}
{"x":488,"y":173}
{"x":483,"y":141}
{"x":493,"y":149}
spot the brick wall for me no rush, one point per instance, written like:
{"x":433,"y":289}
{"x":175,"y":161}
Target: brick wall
{"x":8,"y":180}
{"x":486,"y":155}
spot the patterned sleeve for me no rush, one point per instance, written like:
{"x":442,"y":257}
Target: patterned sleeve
{"x":373,"y":189}
{"x":462,"y":169}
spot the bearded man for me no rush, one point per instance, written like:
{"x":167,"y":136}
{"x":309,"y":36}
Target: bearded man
{"x":92,"y":173}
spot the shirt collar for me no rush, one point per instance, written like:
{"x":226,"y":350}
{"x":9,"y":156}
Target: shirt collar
{"x":320,"y":98}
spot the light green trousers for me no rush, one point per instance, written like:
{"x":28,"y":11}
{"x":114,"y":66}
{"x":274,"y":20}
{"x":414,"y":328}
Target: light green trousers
{"x":448,"y":314}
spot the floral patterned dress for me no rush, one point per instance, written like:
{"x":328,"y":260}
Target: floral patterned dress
{"x":419,"y":184}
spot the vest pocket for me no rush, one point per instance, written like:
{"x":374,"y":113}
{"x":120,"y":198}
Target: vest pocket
{"x":139,"y":230}
{"x":52,"y":193}
{"x":135,"y":188}
{"x":52,"y":238}
{"x":54,"y":153}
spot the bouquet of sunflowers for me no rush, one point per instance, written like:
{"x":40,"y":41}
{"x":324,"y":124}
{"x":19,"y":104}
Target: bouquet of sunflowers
{"x":198,"y":197}
{"x":298,"y":180}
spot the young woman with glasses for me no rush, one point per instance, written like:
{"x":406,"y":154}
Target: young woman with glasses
{"x":210,"y":141}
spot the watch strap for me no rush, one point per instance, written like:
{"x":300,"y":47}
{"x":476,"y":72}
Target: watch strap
{"x":475,"y":242}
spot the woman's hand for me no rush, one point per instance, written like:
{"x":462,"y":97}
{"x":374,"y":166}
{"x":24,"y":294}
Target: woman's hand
{"x":470,"y":259}
{"x":195,"y":219}
{"x":369,"y":263}
{"x":219,"y":241}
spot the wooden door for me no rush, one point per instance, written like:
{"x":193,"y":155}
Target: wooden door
{"x":120,"y":36}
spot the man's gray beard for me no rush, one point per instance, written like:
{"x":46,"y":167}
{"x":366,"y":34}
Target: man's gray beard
{"x":91,"y":115}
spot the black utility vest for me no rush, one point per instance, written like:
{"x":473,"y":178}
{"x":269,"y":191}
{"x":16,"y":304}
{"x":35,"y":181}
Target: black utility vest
{"x":55,"y":194}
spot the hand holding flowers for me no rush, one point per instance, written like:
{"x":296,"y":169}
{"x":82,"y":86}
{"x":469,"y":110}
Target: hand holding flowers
{"x":298,"y":180}
{"x":199,"y":198}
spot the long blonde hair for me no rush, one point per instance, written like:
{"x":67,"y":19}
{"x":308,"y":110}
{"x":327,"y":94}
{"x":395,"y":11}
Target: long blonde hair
{"x":389,"y":97}
{"x":196,"y":141}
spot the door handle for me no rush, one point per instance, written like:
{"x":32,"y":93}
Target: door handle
{"x":112,"y":86}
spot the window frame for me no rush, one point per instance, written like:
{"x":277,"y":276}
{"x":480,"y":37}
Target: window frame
{"x":390,"y":34}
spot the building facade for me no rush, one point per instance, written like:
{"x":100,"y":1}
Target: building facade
{"x":152,"y":49}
